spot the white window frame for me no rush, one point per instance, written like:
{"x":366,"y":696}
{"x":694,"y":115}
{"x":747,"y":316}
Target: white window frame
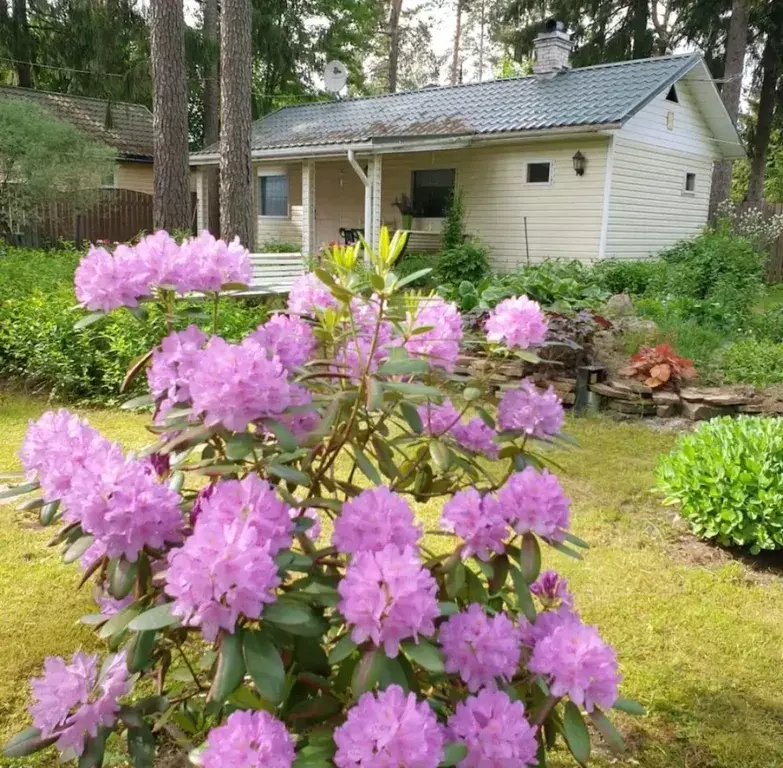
{"x":434,"y":167}
{"x":685,"y":190}
{"x":536,"y":161}
{"x":113,"y":184}
{"x":273,"y":172}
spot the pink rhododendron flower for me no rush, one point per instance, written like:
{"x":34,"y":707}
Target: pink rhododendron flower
{"x":480,"y":649}
{"x":110,"y":606}
{"x":439,"y":346}
{"x":172,"y":366}
{"x":72,"y":701}
{"x":214,"y":263}
{"x":495,"y":731}
{"x":254,"y":500}
{"x":105,"y":281}
{"x":552,"y":589}
{"x":57,"y":447}
{"x":534,"y":501}
{"x":519,"y":322}
{"x":546,"y":623}
{"x":538,"y":414}
{"x":164,"y":262}
{"x":375,"y":518}
{"x":438,"y":419}
{"x":476,"y":436}
{"x":300,"y":420}
{"x":234,"y":384}
{"x":388,"y":729}
{"x":309,"y":295}
{"x":249,"y":740}
{"x":579,"y":664}
{"x":224,"y":570}
{"x":290,"y":338}
{"x":480,"y":521}
{"x":388,"y":596}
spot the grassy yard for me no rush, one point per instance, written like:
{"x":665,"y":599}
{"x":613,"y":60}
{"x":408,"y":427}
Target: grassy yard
{"x":698,"y":634}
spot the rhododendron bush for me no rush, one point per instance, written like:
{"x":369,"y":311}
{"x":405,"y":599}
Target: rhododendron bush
{"x":265,"y":592}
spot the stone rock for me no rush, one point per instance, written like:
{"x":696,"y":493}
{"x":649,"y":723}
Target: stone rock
{"x":637,"y":326}
{"x":726,"y":398}
{"x":619,"y":305}
{"x":714,"y":396}
{"x":637,"y":408}
{"x":562,"y":386}
{"x":753,"y":408}
{"x":568,"y":398}
{"x":607,"y":390}
{"x":561,"y":353}
{"x":696,"y":411}
{"x":667,"y":411}
{"x":631,"y":385}
{"x":665,"y":397}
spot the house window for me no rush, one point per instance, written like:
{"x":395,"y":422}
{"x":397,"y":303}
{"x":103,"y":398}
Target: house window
{"x":432,"y":192}
{"x":672,"y":95}
{"x":273,"y":195}
{"x":539,"y":173}
{"x":690,"y":183}
{"x":107,"y":179}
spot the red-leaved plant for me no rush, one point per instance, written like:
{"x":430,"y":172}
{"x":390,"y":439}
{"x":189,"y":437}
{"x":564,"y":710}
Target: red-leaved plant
{"x":659,"y":367}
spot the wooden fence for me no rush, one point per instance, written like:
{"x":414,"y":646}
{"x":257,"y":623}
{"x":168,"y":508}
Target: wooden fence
{"x":117,"y":216}
{"x":775,"y":261}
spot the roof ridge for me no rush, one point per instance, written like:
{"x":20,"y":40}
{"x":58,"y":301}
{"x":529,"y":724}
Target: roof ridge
{"x":74,"y":96}
{"x":477,"y":83}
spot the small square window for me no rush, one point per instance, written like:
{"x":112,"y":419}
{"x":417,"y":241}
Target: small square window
{"x":273,"y":195}
{"x":432,"y":191}
{"x":107,"y":179}
{"x":690,"y":182}
{"x":539,"y":173}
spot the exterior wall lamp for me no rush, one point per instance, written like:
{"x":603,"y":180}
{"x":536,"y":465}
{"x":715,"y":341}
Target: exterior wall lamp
{"x":580,"y":163}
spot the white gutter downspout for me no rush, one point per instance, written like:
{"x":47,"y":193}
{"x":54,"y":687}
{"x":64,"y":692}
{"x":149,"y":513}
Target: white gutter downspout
{"x":368,"y":235}
{"x":607,"y":198}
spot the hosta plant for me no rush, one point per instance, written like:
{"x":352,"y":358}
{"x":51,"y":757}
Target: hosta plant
{"x":264,"y":589}
{"x":659,"y":367}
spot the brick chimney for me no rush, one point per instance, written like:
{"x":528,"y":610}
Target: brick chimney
{"x":553,"y":48}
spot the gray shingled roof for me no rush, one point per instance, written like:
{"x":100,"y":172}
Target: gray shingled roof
{"x":607,"y":93}
{"x":131,"y":124}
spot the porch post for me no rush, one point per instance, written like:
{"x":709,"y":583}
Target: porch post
{"x":368,"y":218}
{"x":202,"y":200}
{"x":308,"y":208}
{"x":375,"y":174}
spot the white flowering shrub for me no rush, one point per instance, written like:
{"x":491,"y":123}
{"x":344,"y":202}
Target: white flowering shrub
{"x":265,"y":592}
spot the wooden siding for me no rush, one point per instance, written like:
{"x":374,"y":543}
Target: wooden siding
{"x":649,"y":208}
{"x":134,"y":176}
{"x":287,"y":229}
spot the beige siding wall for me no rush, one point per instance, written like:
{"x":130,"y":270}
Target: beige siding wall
{"x":285,"y":228}
{"x":339,"y":200}
{"x":649,"y":208}
{"x":135,"y":176}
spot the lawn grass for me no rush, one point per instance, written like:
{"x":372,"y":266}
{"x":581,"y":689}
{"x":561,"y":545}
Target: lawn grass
{"x":698,"y":634}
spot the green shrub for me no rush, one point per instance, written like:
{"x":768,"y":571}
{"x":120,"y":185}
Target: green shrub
{"x":767,"y":324}
{"x":279,"y":246}
{"x":465,"y":262}
{"x":750,"y":361}
{"x":454,"y":225}
{"x":414,"y":262}
{"x":727,"y":478}
{"x":633,"y":276}
{"x":40,"y":348}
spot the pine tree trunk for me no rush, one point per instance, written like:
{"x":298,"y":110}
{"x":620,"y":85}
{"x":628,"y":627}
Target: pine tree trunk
{"x":730,"y":93}
{"x":394,"y":42}
{"x":236,"y":185}
{"x":454,"y":79}
{"x":21,"y":44}
{"x":171,"y":194}
{"x":640,"y":12}
{"x":770,"y":70}
{"x":212,"y":108}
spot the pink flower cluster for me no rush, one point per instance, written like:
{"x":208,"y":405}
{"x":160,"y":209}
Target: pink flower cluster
{"x":226,"y":567}
{"x":538,"y":414}
{"x":375,"y":518}
{"x":105,"y":281}
{"x":388,"y":596}
{"x":495,"y":731}
{"x":72,"y":701}
{"x":439,"y":345}
{"x":249,"y":740}
{"x":480,"y":649}
{"x":473,"y":435}
{"x":552,"y":589}
{"x":534,"y":501}
{"x":309,"y":296}
{"x":288,"y":337}
{"x":479,"y":520}
{"x":389,"y":729}
{"x":578,"y":663}
{"x":172,"y":367}
{"x":518,"y":322}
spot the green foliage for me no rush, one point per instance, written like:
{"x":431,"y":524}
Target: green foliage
{"x":752,"y":361}
{"x":279,"y":246}
{"x":415,"y":262}
{"x":40,"y":347}
{"x":767,"y":324}
{"x":42,"y":160}
{"x":464,"y":262}
{"x":454,"y":225}
{"x":727,"y":478}
{"x":633,"y":276}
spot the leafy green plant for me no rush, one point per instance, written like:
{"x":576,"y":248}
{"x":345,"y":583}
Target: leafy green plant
{"x":279,"y":246}
{"x":727,"y":478}
{"x":415,"y":262}
{"x":454,"y":225}
{"x":633,"y":276}
{"x":752,"y":361}
{"x":465,"y":262}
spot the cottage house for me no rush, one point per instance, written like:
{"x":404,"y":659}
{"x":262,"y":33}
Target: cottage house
{"x":605,"y":161}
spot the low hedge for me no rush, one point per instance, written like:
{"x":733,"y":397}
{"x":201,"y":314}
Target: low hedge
{"x":40,"y":349}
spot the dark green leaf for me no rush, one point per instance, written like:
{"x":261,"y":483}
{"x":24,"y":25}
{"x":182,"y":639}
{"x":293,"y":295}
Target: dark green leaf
{"x":344,"y":647}
{"x":576,"y":734}
{"x":156,"y":618}
{"x":500,"y":568}
{"x":18,"y":490}
{"x":455,"y":579}
{"x":530,"y":557}
{"x":239,"y":446}
{"x":283,"y":434}
{"x":31,"y":504}
{"x":309,"y":655}
{"x":425,"y":654}
{"x":87,"y":320}
{"x":315,"y":710}
{"x":448,"y":609}
{"x":136,"y":366}
{"x":471,"y":393}
{"x":152,"y":705}
{"x":296,"y":619}
{"x":607,"y":730}
{"x":404,"y":366}
{"x":230,"y":668}
{"x":365,"y":465}
{"x":523,"y":595}
{"x":92,"y":757}
{"x":575,"y":540}
{"x":384,"y":456}
{"x":122,"y":574}
{"x":140,"y":650}
{"x":368,"y":671}
{"x":560,"y":547}
{"x":235,"y":286}
{"x":413,"y":390}
{"x":486,"y":418}
{"x":118,"y":622}
{"x":264,"y":665}
{"x":629,"y":706}
{"x":26,"y":743}
{"x":141,"y":746}
{"x":453,"y":754}
{"x":288,"y":474}
{"x":419,"y":273}
{"x":78,"y":548}
{"x":374,"y":395}
{"x":411,"y":416}
{"x":48,"y":512}
{"x":441,"y":455}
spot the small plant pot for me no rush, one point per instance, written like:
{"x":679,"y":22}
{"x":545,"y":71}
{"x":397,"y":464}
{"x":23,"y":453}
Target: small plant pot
{"x":407,"y":221}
